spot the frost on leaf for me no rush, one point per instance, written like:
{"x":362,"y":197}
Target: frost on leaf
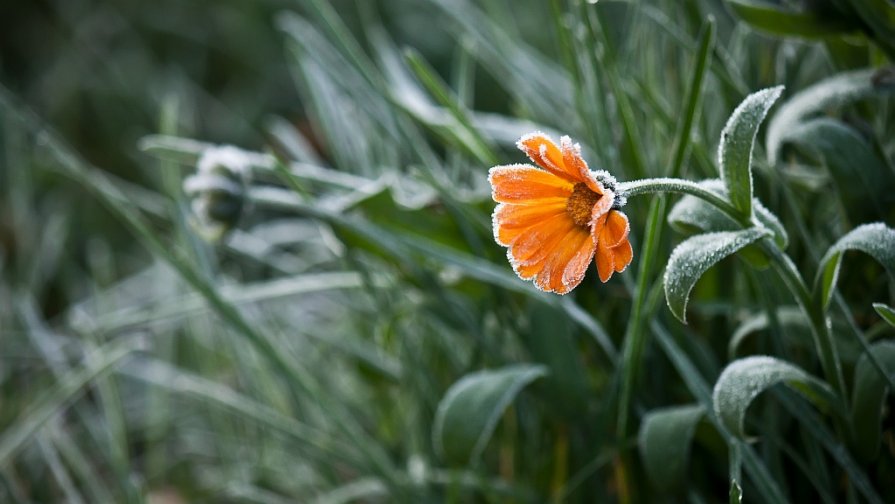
{"x":876,"y":240}
{"x":695,"y":256}
{"x":735,"y":149}
{"x":743,"y":380}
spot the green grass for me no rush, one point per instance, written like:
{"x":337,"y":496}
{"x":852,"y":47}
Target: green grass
{"x":336,"y":324}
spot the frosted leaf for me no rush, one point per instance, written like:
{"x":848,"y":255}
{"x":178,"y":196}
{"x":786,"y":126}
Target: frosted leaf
{"x":744,"y":379}
{"x":468,"y":413}
{"x":877,"y":240}
{"x":735,"y":149}
{"x":695,"y":256}
{"x":837,"y":90}
{"x":664,"y":440}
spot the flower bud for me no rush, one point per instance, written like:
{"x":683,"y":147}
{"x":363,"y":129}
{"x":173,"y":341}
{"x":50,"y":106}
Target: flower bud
{"x":218,"y":190}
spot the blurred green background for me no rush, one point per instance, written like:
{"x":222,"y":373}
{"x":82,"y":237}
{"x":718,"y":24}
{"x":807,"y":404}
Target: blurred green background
{"x":289,"y":334}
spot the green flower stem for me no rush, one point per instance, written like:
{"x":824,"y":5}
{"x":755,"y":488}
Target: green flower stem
{"x":682,"y":186}
{"x":784,"y":265}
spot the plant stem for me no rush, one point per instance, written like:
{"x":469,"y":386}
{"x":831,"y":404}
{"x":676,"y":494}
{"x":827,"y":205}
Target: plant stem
{"x":823,"y":338}
{"x":784,"y":265}
{"x":675,"y":185}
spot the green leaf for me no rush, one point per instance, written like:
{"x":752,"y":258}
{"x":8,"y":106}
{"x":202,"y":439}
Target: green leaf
{"x":786,"y":22}
{"x":886,"y":312}
{"x":868,"y":395}
{"x":755,"y":468}
{"x":695,"y":256}
{"x":862,"y":178}
{"x":832,"y":92}
{"x":695,"y":215}
{"x":744,"y":379}
{"x":876,"y":240}
{"x":735,"y":150}
{"x":469,"y":411}
{"x":664,"y":440}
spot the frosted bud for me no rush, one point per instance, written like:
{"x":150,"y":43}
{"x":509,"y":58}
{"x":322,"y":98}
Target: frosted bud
{"x":218,"y":190}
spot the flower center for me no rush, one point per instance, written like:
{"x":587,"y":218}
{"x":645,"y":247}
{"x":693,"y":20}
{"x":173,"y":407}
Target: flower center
{"x":581,"y":204}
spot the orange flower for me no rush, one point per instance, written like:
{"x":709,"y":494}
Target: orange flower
{"x":555,"y":219}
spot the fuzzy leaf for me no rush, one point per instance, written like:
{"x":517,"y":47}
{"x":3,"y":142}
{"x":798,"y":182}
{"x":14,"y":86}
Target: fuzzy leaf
{"x":835,"y":91}
{"x":664,"y":439}
{"x":744,"y":379}
{"x":876,"y":240}
{"x":468,"y":413}
{"x":735,"y":150}
{"x":695,"y":256}
{"x":868,"y":394}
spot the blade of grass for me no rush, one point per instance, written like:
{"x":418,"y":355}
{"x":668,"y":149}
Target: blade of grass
{"x":60,"y":474}
{"x":66,"y":389}
{"x":635,"y":336}
{"x":471,"y":138}
{"x":403,"y":248}
{"x":181,"y":382}
{"x":693,"y":100}
{"x":606,"y":60}
{"x":109,"y":194}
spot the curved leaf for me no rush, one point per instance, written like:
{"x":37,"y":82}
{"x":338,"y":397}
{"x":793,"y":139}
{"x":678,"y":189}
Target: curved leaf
{"x":743,"y":380}
{"x":837,"y":90}
{"x":695,"y":256}
{"x":876,"y":240}
{"x":664,"y":440}
{"x":735,"y":150}
{"x":469,"y":411}
{"x":868,"y":394}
